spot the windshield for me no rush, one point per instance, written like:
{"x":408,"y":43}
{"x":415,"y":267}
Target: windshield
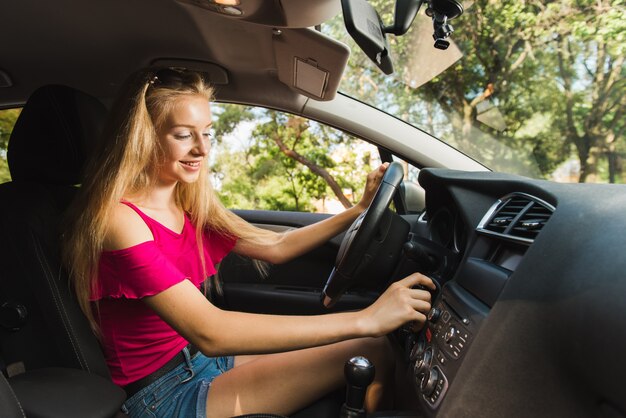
{"x":531,"y":88}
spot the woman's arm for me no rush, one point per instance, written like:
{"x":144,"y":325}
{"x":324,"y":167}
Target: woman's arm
{"x":217,"y":332}
{"x":279,"y":248}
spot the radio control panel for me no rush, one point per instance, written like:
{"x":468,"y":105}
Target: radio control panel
{"x":438,"y":351}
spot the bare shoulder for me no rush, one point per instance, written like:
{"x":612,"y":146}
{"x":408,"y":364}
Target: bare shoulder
{"x":125,"y":228}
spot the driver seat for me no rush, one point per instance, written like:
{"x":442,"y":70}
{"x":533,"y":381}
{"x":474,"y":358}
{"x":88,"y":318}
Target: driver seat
{"x":47,"y":348}
{"x":42,"y":325}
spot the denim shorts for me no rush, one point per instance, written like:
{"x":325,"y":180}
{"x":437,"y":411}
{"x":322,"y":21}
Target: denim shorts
{"x":182,"y":392}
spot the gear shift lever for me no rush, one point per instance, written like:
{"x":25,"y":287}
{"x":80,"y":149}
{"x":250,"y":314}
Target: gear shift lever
{"x":359,"y":374}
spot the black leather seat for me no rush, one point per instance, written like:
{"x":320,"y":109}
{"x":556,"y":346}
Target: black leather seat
{"x":9,"y":404}
{"x":43,"y":333}
{"x":45,"y":156}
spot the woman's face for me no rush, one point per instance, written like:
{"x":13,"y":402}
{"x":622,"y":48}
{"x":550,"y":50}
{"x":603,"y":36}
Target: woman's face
{"x":186,"y":140}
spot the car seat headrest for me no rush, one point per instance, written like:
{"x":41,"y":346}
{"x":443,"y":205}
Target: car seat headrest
{"x":52,"y":135}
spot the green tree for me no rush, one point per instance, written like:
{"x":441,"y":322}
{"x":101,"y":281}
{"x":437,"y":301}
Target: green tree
{"x":284,"y":162}
{"x":555,"y":80}
{"x":8,"y":118}
{"x":592,"y":74}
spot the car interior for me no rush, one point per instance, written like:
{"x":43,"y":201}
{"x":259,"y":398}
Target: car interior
{"x":530,"y":308}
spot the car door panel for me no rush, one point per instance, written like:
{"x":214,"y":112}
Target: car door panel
{"x":290,"y":288}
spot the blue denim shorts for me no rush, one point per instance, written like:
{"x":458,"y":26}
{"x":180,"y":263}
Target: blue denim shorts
{"x":180,"y":393}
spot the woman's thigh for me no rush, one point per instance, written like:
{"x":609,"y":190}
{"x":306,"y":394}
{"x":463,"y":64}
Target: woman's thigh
{"x":283,"y":383}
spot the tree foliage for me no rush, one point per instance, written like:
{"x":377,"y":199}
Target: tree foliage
{"x":285,"y":162}
{"x":7,"y":121}
{"x":550,"y":75}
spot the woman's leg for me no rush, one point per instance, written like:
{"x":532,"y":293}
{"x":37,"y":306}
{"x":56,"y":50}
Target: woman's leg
{"x":284,"y":383}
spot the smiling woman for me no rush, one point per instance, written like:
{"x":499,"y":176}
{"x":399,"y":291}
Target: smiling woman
{"x":142,"y":159}
{"x":146,"y":232}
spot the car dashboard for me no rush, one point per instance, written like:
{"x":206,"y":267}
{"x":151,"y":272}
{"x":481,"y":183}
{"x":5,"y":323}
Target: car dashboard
{"x":527,"y":269}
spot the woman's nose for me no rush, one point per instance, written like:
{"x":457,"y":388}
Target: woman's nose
{"x":202,"y":146}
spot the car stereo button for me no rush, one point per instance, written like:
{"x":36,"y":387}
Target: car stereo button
{"x":445,"y":317}
{"x":434,"y":315}
{"x":450,"y":334}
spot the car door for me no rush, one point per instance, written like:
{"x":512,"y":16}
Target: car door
{"x":294,"y":287}
{"x":291,"y":288}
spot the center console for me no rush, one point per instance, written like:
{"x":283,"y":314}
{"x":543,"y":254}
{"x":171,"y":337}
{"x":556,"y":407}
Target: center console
{"x":438,"y":350}
{"x":485,"y":264}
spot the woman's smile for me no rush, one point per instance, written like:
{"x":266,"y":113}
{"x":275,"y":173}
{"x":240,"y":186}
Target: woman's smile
{"x":192,"y":165}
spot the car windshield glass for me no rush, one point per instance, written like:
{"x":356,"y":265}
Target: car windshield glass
{"x":531,"y":88}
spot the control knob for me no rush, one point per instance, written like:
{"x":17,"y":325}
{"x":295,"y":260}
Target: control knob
{"x":450,"y":334}
{"x":434,"y":315}
{"x":429,"y":382}
{"x":423,"y":362}
{"x":418,"y":349}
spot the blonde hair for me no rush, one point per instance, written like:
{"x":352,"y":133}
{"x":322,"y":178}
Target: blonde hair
{"x":125,"y":162}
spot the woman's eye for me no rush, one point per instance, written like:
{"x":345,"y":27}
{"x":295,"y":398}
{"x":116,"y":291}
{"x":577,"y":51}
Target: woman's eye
{"x":182,"y":136}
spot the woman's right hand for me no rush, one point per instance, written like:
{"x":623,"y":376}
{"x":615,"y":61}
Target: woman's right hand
{"x":399,"y":305}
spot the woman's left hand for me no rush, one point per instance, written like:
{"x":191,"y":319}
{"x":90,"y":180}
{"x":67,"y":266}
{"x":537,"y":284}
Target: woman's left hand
{"x":373,"y":180}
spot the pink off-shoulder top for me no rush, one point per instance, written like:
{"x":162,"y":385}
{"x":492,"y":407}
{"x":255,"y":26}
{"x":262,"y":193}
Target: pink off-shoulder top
{"x":135,"y":340}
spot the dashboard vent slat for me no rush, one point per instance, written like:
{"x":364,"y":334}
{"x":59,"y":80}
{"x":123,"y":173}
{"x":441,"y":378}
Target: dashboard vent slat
{"x":518,"y":217}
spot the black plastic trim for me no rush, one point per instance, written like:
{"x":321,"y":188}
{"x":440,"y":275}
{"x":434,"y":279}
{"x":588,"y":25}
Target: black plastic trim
{"x":483,"y":279}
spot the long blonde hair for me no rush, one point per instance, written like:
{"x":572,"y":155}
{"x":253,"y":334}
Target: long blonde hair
{"x":125,"y":162}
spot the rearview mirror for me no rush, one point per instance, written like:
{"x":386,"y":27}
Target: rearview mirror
{"x":366,"y":28}
{"x":404,"y":15}
{"x":364,"y":25}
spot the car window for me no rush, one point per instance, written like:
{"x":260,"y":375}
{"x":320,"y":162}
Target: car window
{"x":530,"y":88}
{"x":8,"y":117}
{"x":266,"y":159}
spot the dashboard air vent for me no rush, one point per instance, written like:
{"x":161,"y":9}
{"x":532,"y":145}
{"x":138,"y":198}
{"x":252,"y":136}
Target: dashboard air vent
{"x":518,"y":217}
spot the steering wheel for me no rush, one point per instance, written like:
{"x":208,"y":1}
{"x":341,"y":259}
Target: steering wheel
{"x":365,"y":237}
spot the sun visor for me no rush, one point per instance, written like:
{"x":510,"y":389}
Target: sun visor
{"x":309,"y":62}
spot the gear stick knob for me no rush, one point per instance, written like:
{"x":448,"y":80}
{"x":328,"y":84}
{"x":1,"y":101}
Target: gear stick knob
{"x":359,"y":374}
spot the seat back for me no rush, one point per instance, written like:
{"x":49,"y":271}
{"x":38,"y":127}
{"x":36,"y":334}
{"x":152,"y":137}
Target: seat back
{"x":11,"y":407}
{"x":41,"y":324}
